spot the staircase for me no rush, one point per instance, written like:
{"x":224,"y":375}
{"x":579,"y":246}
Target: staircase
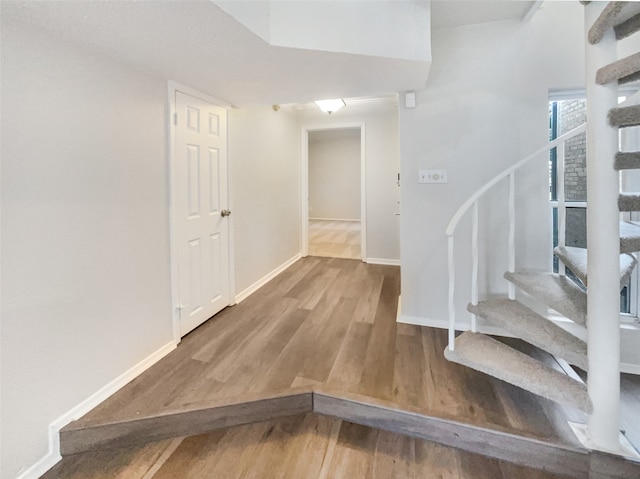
{"x":557,"y":291}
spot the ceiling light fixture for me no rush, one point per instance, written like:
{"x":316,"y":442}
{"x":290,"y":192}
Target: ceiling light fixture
{"x":329,"y":106}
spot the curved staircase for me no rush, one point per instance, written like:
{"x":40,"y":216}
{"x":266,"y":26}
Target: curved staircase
{"x":549,"y":290}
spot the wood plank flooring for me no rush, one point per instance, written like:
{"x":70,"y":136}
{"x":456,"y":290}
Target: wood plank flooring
{"x":330,"y":323}
{"x":300,"y":447}
{"x":334,"y":238}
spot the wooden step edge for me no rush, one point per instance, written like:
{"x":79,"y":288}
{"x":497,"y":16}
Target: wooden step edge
{"x":197,"y":418}
{"x":619,"y":69}
{"x":564,"y":459}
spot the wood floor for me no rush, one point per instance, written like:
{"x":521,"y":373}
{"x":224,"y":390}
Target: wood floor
{"x":300,"y":447}
{"x":328,"y":323}
{"x":335,"y":239}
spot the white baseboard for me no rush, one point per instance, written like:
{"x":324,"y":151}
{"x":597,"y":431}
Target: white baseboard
{"x":265,"y":279}
{"x":53,"y":456}
{"x":383,"y":261}
{"x":444,"y":324}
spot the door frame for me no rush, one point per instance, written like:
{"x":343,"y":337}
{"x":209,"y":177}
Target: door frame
{"x":304,"y":186}
{"x":174,"y":87}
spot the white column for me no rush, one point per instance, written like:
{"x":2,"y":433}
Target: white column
{"x":603,"y":245}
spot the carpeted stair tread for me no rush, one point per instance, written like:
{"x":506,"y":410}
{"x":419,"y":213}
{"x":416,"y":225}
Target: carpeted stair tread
{"x":629,"y":237}
{"x":615,"y":13}
{"x":576,"y":260}
{"x":492,"y":357}
{"x":533,"y":328}
{"x":627,"y":28}
{"x":624,"y":116}
{"x":619,"y":69}
{"x":557,"y":292}
{"x":628,"y":160}
{"x":629,"y":202}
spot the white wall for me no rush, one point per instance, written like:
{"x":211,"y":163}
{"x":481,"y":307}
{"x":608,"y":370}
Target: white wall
{"x":334,"y":174}
{"x":383,"y":28}
{"x":382,"y":167}
{"x":484,"y":108}
{"x":85,"y":249}
{"x":264,"y":157}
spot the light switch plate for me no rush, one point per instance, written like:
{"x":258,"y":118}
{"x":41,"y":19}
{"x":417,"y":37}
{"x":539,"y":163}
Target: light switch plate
{"x":432,"y":176}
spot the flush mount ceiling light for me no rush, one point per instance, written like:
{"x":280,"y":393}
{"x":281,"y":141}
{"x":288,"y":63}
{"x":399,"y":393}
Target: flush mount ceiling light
{"x":329,"y":106}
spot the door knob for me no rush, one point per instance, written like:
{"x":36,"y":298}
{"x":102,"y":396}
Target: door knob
{"x":224,"y":213}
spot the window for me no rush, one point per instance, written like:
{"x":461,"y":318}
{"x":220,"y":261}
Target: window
{"x":565,"y":115}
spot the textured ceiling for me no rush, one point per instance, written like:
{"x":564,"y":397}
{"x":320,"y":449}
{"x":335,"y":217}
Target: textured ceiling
{"x":197,"y":44}
{"x":456,"y":13}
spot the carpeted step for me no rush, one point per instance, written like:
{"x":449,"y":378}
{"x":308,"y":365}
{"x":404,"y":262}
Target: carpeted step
{"x":629,"y":237}
{"x":528,"y":325}
{"x":622,"y":70}
{"x":492,"y":357}
{"x":627,"y":28}
{"x":576,"y":260}
{"x":628,"y":160}
{"x":629,"y":202}
{"x":615,"y":13}
{"x":557,"y":292}
{"x":624,"y":116}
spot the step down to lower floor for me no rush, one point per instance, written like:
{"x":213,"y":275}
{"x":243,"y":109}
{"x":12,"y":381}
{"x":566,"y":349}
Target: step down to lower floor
{"x":557,"y":292}
{"x":492,"y":357}
{"x":529,"y":326}
{"x":576,"y":260}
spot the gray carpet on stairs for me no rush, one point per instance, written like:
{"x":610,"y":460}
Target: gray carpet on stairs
{"x":624,"y":116}
{"x":629,"y":237}
{"x":528,"y":325}
{"x":615,"y":13}
{"x":492,"y":357}
{"x":628,"y":160}
{"x":576,"y":260}
{"x":629,"y":202}
{"x":618,"y":69}
{"x":627,"y":28}
{"x":557,"y":292}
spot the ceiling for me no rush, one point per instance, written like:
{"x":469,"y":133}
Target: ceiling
{"x":197,"y":44}
{"x":454,"y":13}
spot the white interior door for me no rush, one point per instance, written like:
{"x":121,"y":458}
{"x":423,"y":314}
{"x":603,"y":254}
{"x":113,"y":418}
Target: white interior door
{"x":201,"y":227}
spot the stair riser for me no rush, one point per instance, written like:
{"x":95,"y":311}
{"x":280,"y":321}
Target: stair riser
{"x":529,"y":326}
{"x":627,"y":28}
{"x":627,"y":161}
{"x":628,"y":202}
{"x":624,"y":117}
{"x":621,"y":69}
{"x":491,"y":357}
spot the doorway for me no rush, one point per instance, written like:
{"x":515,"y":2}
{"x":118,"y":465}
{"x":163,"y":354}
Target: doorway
{"x":200,"y":258}
{"x":333,"y":203}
